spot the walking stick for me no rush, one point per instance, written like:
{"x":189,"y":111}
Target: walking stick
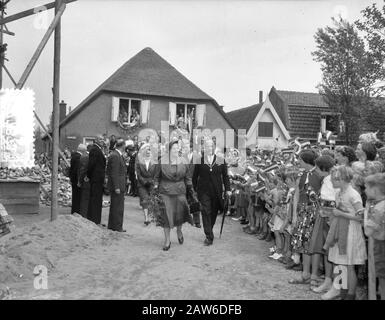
{"x":225,"y":211}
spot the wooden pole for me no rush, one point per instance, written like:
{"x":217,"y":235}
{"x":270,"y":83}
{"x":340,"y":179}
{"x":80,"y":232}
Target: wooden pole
{"x":55,"y":129}
{"x":30,"y":12}
{"x":1,"y":43}
{"x":9,"y":75}
{"x":50,"y":137}
{"x":56,"y":21}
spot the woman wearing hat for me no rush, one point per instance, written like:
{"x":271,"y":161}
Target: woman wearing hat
{"x":145,"y":170}
{"x":173,"y":179}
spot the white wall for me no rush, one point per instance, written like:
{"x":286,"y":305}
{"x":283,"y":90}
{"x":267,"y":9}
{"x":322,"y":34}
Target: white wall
{"x":268,"y":143}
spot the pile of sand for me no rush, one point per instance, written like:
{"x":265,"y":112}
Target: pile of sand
{"x":45,"y":243}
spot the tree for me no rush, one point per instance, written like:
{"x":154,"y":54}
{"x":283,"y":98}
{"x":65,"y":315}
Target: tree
{"x":372,"y":25}
{"x":348,"y":73}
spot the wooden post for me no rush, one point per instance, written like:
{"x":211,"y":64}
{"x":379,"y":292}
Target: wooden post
{"x":30,"y":12}
{"x":9,"y":75}
{"x":55,"y":129}
{"x":50,"y":137}
{"x":372,"y":292}
{"x":1,"y":43}
{"x":56,"y":21}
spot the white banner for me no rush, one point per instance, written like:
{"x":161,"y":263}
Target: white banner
{"x":17,"y":128}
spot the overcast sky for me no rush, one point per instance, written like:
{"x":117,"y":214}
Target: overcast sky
{"x":229,"y":49}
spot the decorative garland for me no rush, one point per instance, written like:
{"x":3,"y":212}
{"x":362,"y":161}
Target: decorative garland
{"x":128,"y":129}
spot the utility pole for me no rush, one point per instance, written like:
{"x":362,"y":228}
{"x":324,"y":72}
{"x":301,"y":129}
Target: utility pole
{"x":55,"y":129}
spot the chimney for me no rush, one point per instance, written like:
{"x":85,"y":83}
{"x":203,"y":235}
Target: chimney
{"x":63,"y":110}
{"x":260,"y":96}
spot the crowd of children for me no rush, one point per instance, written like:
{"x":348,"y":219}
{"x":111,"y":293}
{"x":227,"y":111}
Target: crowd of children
{"x":324,"y":209}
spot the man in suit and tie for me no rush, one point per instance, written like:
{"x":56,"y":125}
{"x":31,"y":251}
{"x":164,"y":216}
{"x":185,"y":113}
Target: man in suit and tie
{"x":73,"y":174}
{"x":116,"y":172}
{"x":209,"y":178}
{"x":84,"y":182}
{"x":96,"y":174}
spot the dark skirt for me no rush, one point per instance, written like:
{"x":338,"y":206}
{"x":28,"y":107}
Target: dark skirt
{"x":176,"y":211}
{"x":320,"y":232}
{"x":144,"y":195}
{"x":303,"y":228}
{"x":379,"y":258}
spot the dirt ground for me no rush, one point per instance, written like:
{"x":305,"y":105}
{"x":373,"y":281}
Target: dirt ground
{"x":133,"y":266}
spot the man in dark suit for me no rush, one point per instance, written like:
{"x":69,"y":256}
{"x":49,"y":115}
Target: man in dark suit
{"x":116,"y":172}
{"x":84,"y":182}
{"x":209,"y":178}
{"x":73,"y":175}
{"x":96,"y":174}
{"x":132,"y":153}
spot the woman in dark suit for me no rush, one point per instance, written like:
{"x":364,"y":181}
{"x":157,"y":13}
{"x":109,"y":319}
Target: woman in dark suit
{"x":145,"y":170}
{"x":173,"y":179}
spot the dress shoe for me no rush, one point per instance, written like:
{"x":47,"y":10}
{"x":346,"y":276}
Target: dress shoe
{"x":244,"y":221}
{"x":147,"y":223}
{"x":166,"y":248}
{"x":208,"y":242}
{"x":121,"y":230}
{"x":198,"y":225}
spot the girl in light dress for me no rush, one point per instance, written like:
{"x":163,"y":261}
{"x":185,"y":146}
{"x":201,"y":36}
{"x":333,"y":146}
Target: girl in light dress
{"x":349,"y":249}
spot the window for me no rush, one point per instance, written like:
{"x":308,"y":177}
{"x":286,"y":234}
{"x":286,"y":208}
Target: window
{"x":126,"y":111}
{"x":129,"y":111}
{"x":88,"y":140}
{"x":329,"y":122}
{"x":265,"y":129}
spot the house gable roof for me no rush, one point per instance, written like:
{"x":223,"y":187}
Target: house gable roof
{"x":267,"y":105}
{"x":244,"y":118}
{"x":304,"y":110}
{"x":148,"y":73}
{"x":303,"y":98}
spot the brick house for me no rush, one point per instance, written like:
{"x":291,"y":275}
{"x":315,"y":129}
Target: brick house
{"x":264,"y":127}
{"x":140,"y":94}
{"x":285,"y":115}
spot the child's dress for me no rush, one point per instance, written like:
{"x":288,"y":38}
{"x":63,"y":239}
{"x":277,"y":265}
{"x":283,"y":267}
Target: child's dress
{"x":355,"y":243}
{"x":321,"y":226}
{"x":306,"y":212}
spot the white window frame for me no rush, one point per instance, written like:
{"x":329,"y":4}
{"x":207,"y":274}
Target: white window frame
{"x":129,"y":106}
{"x":88,"y":138}
{"x":185,"y":108}
{"x":323,"y":119}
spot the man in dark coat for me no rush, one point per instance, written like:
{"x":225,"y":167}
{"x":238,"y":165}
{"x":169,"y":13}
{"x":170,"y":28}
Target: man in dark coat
{"x":209,"y":178}
{"x":96,"y":175}
{"x":116,"y":172}
{"x":73,"y":175}
{"x":84,"y":182}
{"x":132,"y":153}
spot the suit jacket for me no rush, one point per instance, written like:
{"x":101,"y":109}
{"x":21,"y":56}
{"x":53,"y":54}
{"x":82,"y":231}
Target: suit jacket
{"x":96,"y":165}
{"x":116,"y":172}
{"x":143,"y":174}
{"x":74,"y":167}
{"x":82,"y":172}
{"x":211,"y":182}
{"x":173,"y":179}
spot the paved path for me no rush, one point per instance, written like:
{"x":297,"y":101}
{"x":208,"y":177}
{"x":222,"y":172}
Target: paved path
{"x":133,"y":266}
